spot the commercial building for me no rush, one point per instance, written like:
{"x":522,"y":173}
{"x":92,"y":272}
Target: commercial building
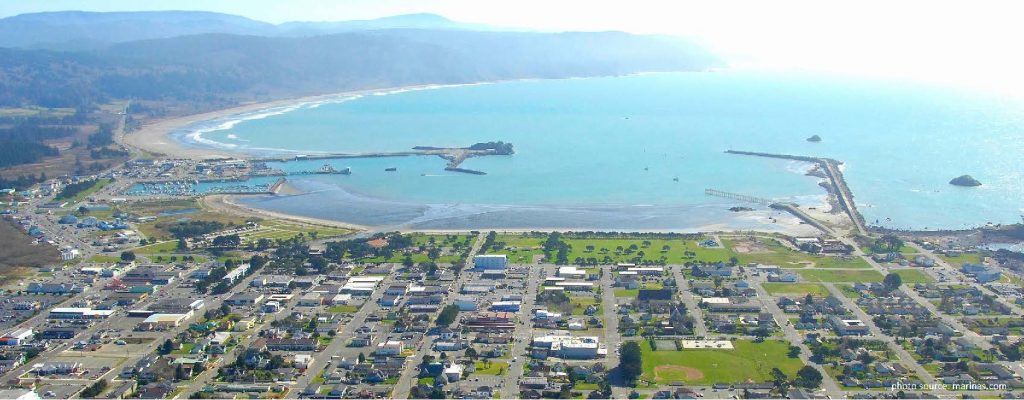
{"x":16,"y":337}
{"x":490,"y":262}
{"x":563,"y":345}
{"x":159,"y":322}
{"x":508,"y":306}
{"x":78,"y":313}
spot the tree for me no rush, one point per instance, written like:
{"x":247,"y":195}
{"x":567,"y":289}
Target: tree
{"x":167,"y":347}
{"x":808,"y":377}
{"x":94,"y":389}
{"x":631,"y":362}
{"x":794,"y":351}
{"x":407,"y":261}
{"x":471,"y":354}
{"x":448,"y":315}
{"x":780,"y":381}
{"x":892,"y":281}
{"x":127,"y":256}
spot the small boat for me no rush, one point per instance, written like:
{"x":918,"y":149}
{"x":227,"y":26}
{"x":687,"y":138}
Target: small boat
{"x":392,"y":169}
{"x":676,"y":179}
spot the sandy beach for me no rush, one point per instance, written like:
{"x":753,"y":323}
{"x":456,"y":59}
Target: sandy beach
{"x":224,"y":203}
{"x":154,"y":137}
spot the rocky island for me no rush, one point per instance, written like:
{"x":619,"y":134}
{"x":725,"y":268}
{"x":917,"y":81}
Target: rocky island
{"x":965,"y":180}
{"x":814,"y":139}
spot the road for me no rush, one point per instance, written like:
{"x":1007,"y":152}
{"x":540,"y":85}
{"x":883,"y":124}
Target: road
{"x":699,"y":328}
{"x":795,"y":338}
{"x":521,"y":336}
{"x":408,"y":377}
{"x":904,"y":356}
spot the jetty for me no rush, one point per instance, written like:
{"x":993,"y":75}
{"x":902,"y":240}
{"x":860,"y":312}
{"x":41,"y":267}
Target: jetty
{"x":788,"y":207}
{"x":454,"y":155}
{"x":837,"y":182}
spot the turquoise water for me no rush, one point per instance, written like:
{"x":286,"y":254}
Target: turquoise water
{"x":617,"y":144}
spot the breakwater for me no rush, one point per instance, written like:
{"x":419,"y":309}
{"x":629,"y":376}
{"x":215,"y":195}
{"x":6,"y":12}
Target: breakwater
{"x":454,"y":155}
{"x":835,"y":177}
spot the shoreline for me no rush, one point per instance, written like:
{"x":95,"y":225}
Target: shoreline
{"x":155,"y":137}
{"x":224,"y":203}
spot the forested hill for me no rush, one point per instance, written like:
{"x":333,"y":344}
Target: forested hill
{"x":225,"y":68}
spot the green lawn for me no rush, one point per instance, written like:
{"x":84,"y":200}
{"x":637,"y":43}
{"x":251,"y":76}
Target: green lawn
{"x":342,"y":309}
{"x":912,"y":276}
{"x":494,"y":368}
{"x":103,"y":258}
{"x":520,"y":249}
{"x":748,"y":361}
{"x":620,"y":292}
{"x":185,"y":349}
{"x":580,"y":306}
{"x":97,"y":185}
{"x":827,"y":275}
{"x":613,"y":251}
{"x":796,"y":289}
{"x":771,"y":252}
{"x":161,"y":247}
{"x":973,"y":258}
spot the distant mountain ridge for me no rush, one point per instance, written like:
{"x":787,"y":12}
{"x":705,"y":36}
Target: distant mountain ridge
{"x":205,"y":60}
{"x":82,"y":30}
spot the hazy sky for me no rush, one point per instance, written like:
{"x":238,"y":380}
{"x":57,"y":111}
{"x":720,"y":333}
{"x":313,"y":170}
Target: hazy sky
{"x":967,"y":42}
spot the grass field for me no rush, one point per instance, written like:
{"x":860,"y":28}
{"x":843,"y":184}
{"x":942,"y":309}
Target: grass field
{"x":771,"y":252}
{"x":161,"y":247}
{"x":620,"y":292}
{"x":912,"y":276}
{"x":18,"y":254}
{"x":580,"y":305}
{"x":613,"y":251}
{"x":342,"y":309}
{"x":748,"y":361}
{"x":492,"y":368}
{"x":796,"y":289}
{"x":520,"y":249}
{"x":97,"y":185}
{"x":973,"y":258}
{"x":104,"y":258}
{"x":832,"y":275}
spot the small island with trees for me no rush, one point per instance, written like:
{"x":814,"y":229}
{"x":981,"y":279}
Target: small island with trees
{"x":814,"y":139}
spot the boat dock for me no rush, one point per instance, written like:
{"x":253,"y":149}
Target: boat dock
{"x":835,"y":177}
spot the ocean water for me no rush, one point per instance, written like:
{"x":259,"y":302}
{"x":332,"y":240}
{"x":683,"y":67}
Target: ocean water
{"x":637,"y":152}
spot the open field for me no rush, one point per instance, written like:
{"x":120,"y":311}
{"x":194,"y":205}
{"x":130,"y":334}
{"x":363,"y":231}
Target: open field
{"x":834,"y":275}
{"x":96,"y":185}
{"x":770,"y":251}
{"x":621,"y":292}
{"x":491,"y":368}
{"x":912,"y":276}
{"x":630,"y":250}
{"x":749,"y":361}
{"x":796,"y":289}
{"x":18,"y":255}
{"x":972,"y":258}
{"x":452,"y":248}
{"x":161,"y":247}
{"x":520,"y":249}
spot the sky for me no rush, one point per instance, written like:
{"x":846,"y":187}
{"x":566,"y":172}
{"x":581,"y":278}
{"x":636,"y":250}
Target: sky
{"x":963,"y":43}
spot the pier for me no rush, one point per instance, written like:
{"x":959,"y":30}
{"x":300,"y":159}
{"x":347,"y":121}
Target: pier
{"x":736,"y":196}
{"x":788,"y":207}
{"x":836,"y":181}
